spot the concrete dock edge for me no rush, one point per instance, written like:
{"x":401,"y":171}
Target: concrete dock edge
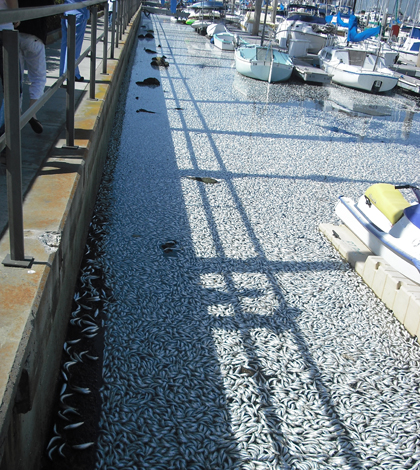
{"x":36,"y":302}
{"x":399,"y":294}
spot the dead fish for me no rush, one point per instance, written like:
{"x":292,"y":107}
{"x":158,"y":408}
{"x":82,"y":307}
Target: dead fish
{"x":83,"y":446}
{"x":168,"y":244}
{"x":55,"y":438}
{"x":149,"y":51}
{"x":203,"y":180}
{"x":74,"y":425}
{"x":84,"y":391}
{"x":60,"y":450}
{"x":51,"y":451}
{"x":141,"y":110}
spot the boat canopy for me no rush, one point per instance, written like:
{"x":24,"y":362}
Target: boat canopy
{"x":353,"y":35}
{"x":306,"y":18}
{"x":210,"y":5}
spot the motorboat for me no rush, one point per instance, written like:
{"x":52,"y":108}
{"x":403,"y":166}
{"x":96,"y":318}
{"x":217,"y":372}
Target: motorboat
{"x":388,"y":224}
{"x":357,"y":68}
{"x":303,"y":23}
{"x":263,"y":63}
{"x":215,"y":28}
{"x":409,"y":50}
{"x":227,"y":41}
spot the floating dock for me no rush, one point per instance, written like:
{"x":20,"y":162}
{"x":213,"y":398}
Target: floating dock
{"x":310,"y":73}
{"x":409,"y":83}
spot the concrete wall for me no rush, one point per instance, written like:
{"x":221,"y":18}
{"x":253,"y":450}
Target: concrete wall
{"x":36,"y":303}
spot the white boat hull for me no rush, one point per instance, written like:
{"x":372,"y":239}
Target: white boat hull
{"x":371,"y":75}
{"x":361,"y":80}
{"x":392,"y":249}
{"x":278,"y":70}
{"x":224,"y":41}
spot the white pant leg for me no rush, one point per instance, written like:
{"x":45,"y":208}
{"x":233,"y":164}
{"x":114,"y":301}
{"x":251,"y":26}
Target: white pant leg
{"x":32,"y":51}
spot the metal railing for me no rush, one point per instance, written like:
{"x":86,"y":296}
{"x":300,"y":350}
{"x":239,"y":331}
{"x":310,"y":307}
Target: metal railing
{"x":14,"y":121}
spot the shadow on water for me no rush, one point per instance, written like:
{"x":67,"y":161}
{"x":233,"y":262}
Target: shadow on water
{"x":182,"y":409}
{"x":240,"y":321}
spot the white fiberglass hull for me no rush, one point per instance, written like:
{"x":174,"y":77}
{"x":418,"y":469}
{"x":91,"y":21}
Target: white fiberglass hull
{"x":362,"y":80}
{"x":402,"y":253}
{"x":266,"y":70}
{"x":357,"y":68}
{"x":224,"y":41}
{"x":315,"y":41}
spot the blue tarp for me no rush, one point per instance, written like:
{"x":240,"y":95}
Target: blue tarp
{"x":353,"y":35}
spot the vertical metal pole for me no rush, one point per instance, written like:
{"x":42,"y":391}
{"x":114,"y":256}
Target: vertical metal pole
{"x":93,"y":35}
{"x":121,"y":17}
{"x":124,"y":16}
{"x":71,"y":60}
{"x":118,"y":23}
{"x":114,"y":14}
{"x":13,"y":150}
{"x":105,"y":50}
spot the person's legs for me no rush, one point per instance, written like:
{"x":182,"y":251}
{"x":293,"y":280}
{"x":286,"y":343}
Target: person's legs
{"x":81,"y":23}
{"x":32,"y":52}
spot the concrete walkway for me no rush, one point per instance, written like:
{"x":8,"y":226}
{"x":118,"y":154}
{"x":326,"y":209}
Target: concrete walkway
{"x":59,"y":188}
{"x":35,"y":147}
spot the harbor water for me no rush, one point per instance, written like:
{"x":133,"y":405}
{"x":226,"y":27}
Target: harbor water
{"x":234,"y":335}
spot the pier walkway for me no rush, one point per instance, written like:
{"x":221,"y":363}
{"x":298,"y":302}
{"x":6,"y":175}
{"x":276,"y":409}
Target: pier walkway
{"x":234,"y":336}
{"x":59,"y":190}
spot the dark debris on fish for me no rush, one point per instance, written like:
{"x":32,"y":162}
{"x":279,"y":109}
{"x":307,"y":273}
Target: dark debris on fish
{"x":146,"y":36}
{"x":204,"y":179}
{"x":150,"y":82}
{"x":141,"y":110}
{"x":159,"y":62}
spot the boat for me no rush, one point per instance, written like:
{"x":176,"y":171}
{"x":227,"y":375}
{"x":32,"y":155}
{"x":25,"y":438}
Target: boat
{"x":227,"y":41}
{"x":387,"y":224}
{"x":263,"y":63}
{"x":247,"y":22}
{"x":303,"y":23}
{"x":409,"y":50}
{"x":215,"y":28}
{"x":357,"y":68}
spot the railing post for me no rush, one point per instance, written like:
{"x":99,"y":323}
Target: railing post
{"x":122,"y":3}
{"x":114,"y":21}
{"x":13,"y":150}
{"x":105,"y":52}
{"x":93,"y":35}
{"x":118,"y":22}
{"x":71,"y":68}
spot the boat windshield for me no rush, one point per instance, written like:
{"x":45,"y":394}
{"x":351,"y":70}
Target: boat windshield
{"x":357,"y":58}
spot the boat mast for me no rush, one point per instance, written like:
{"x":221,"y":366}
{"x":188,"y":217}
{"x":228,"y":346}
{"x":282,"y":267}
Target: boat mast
{"x":265,"y":21}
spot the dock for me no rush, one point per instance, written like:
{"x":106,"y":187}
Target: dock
{"x":310,"y":73}
{"x":409,"y":83}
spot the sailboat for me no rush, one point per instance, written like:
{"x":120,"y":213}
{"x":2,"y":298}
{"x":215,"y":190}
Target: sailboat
{"x":357,"y":67}
{"x":263,"y":63}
